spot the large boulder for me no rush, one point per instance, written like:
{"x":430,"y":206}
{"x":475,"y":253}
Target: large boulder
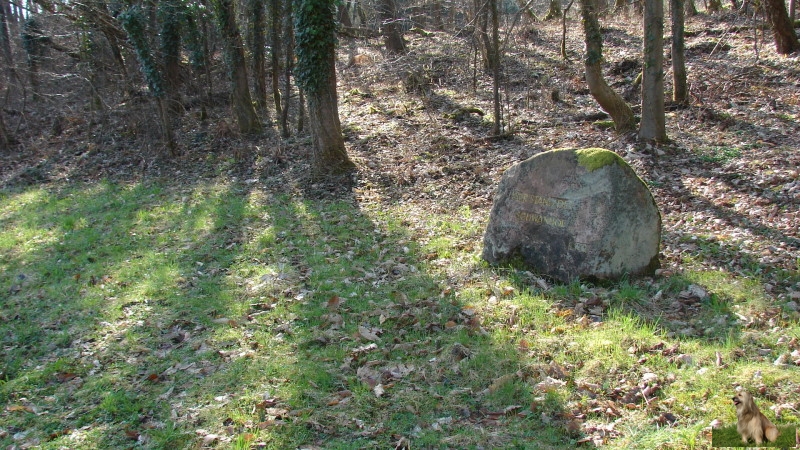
{"x":574,"y":214}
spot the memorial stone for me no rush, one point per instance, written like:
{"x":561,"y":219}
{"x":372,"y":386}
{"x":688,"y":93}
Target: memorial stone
{"x":574,"y":214}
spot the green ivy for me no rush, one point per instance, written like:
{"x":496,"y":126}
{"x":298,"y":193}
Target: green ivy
{"x":315,"y":41}
{"x":133,"y":22}
{"x":194,"y":39}
{"x":169,"y":13}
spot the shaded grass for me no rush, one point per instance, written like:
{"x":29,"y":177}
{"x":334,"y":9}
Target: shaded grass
{"x":221,"y":315}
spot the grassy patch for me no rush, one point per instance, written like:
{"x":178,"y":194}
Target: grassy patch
{"x":220,"y":315}
{"x":729,"y":437}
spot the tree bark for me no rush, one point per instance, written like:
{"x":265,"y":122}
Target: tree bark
{"x":241,"y":100}
{"x":315,"y":44}
{"x":652,"y":126}
{"x":554,"y":11}
{"x":329,"y":153}
{"x":609,"y":100}
{"x":495,"y":63}
{"x":276,"y":44}
{"x":390,"y":28}
{"x":5,"y":43}
{"x":680,"y":90}
{"x":258,"y":44}
{"x":782,"y":28}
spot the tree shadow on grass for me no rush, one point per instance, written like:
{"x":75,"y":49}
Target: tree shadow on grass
{"x":383,"y":353}
{"x":146,"y":312}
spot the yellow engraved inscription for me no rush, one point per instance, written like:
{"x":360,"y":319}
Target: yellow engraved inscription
{"x":537,"y":200}
{"x":536,"y":218}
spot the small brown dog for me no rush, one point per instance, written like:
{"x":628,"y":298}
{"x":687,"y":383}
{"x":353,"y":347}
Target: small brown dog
{"x":752,"y":423}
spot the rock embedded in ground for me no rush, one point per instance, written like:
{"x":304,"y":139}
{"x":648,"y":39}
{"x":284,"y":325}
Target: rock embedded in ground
{"x":574,"y":214}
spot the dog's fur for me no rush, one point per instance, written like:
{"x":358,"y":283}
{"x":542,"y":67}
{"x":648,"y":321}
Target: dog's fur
{"x":752,"y":423}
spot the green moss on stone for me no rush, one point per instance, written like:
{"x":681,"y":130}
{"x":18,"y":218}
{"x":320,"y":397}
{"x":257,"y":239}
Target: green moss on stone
{"x":595,"y":158}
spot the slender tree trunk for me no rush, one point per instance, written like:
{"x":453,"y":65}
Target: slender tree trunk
{"x":258,"y":44}
{"x":609,"y":100}
{"x":495,"y":63}
{"x":714,"y":5}
{"x":288,"y":67}
{"x":652,"y":126}
{"x":241,"y":100}
{"x":392,"y":37}
{"x":782,"y":28}
{"x":171,"y":49}
{"x":5,"y":138}
{"x":276,"y":29}
{"x":680,"y":90}
{"x":343,"y":11}
{"x":5,"y":43}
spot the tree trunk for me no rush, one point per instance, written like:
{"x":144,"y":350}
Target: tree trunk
{"x":5,"y":138}
{"x":782,"y":28}
{"x":495,"y":63}
{"x":241,"y":100}
{"x":691,"y":8}
{"x":258,"y":44}
{"x":554,"y":12}
{"x":343,"y":11}
{"x":5,"y":43}
{"x":680,"y":90}
{"x":171,"y":49}
{"x":276,"y":44}
{"x":714,"y":5}
{"x":288,"y":67}
{"x":329,"y":153}
{"x":315,"y":36}
{"x":609,"y":100}
{"x":652,"y":126}
{"x":390,"y":27}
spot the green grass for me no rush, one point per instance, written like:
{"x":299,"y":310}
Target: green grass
{"x":214,"y":314}
{"x":729,"y":437}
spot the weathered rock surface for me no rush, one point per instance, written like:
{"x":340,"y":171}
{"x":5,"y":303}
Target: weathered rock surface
{"x":574,"y":214}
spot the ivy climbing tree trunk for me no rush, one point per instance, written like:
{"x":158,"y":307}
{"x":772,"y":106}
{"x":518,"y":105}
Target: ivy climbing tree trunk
{"x":652,"y":126}
{"x":133,"y":22}
{"x":609,"y":100}
{"x":168,"y":12}
{"x":782,"y":27}
{"x":315,"y":40}
{"x":680,"y":90}
{"x":233,"y":47}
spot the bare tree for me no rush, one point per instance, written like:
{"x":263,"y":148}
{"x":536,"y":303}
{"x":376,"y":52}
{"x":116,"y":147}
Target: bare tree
{"x":234,"y":54}
{"x":680,"y":90}
{"x":609,"y":100}
{"x":390,"y":27}
{"x":652,"y":126}
{"x":782,"y":27}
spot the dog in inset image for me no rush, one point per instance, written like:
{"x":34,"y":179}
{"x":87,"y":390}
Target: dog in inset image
{"x":752,"y":423}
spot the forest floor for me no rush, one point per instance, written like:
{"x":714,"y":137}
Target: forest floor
{"x":357,"y":313}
